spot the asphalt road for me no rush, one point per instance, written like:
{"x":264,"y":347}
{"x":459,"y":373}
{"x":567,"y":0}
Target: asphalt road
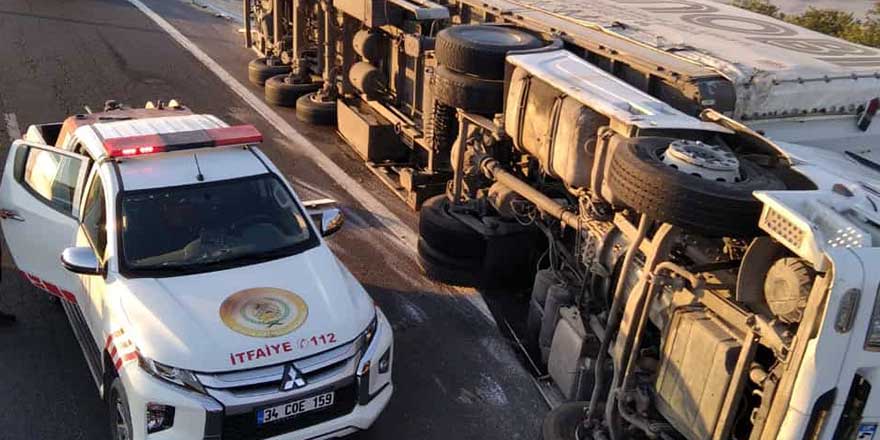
{"x":456,"y":376}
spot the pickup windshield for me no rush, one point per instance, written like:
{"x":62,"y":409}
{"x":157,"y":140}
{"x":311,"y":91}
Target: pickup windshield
{"x":211,"y":226}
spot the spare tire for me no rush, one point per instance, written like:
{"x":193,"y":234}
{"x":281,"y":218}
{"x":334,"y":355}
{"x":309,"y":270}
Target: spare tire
{"x":639,"y":178}
{"x":469,"y":93}
{"x":480,"y":49}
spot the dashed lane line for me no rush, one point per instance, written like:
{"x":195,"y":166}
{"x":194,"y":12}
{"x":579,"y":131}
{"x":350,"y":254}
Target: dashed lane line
{"x":401,"y":234}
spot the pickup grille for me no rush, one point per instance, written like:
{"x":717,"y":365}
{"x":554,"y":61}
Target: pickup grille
{"x":244,"y":426}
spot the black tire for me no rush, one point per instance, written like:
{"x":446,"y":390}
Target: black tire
{"x":480,"y":50}
{"x":452,"y":252}
{"x":469,"y":93}
{"x":313,"y":111}
{"x":449,"y":270}
{"x":562,"y":421}
{"x":259,"y":71}
{"x":280,"y":91}
{"x":638,"y":177}
{"x":446,"y":234}
{"x":117,"y":403}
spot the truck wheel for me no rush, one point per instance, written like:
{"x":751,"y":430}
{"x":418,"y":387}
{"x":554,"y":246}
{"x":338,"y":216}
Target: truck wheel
{"x":639,"y":177}
{"x":446,"y":234}
{"x":454,"y":253}
{"x":449,"y":270}
{"x":469,"y":93}
{"x":562,"y":421}
{"x":480,"y":50}
{"x":120,"y":415}
{"x":261,"y":69}
{"x":281,"y":91}
{"x":312,"y":110}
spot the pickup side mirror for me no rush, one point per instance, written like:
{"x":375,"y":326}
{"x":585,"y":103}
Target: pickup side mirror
{"x":327,"y":217}
{"x":81,"y":260}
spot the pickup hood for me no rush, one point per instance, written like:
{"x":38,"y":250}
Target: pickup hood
{"x":272,"y":312}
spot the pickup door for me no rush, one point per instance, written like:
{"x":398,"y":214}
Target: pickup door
{"x":39,"y":206}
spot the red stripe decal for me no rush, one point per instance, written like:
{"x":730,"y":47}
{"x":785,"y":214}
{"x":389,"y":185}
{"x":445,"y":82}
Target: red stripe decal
{"x":50,"y":288}
{"x":69,"y":296}
{"x":118,"y":364}
{"x":113,"y":352}
{"x":129,"y":357}
{"x":53,"y":289}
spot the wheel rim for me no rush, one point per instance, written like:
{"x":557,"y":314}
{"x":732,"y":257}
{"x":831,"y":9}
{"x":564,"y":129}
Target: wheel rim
{"x":709,"y":162}
{"x":122,"y":427}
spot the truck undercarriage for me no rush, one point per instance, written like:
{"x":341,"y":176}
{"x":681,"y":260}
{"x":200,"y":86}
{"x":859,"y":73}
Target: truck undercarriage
{"x":687,"y":263}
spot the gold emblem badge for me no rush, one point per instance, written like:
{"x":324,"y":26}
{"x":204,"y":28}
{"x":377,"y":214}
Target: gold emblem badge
{"x":264,"y":312}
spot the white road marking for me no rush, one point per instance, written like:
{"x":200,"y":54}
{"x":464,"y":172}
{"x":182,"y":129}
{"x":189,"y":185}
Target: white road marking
{"x":12,"y":128}
{"x":401,"y":233}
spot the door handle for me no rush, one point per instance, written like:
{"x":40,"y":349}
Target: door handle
{"x":6,"y":214}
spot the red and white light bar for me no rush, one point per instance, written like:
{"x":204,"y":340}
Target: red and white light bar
{"x":184,"y":140}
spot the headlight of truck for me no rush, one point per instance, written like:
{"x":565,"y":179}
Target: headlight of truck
{"x":872,"y":341}
{"x":177,"y":376}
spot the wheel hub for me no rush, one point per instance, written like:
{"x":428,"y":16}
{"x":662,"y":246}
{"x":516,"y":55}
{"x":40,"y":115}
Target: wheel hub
{"x":710,"y":162}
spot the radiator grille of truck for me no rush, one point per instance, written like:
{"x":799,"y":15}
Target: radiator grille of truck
{"x":852,"y":410}
{"x":783,"y":229}
{"x":244,"y":426}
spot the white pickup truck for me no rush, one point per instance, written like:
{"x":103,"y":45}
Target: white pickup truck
{"x":198,"y":285}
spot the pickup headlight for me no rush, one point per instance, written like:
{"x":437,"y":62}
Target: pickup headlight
{"x":370,"y":332}
{"x":177,"y":376}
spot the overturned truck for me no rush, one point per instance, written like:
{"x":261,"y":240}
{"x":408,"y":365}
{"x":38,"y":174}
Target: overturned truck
{"x":698,"y":185}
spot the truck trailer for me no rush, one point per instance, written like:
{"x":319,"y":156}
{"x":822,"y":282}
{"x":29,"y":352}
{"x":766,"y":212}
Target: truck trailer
{"x":691,"y":190}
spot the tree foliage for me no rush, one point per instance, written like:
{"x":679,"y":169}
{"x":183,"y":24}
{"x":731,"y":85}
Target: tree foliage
{"x":828,"y":21}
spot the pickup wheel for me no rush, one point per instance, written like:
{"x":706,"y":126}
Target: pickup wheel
{"x":280,"y":90}
{"x":469,"y":93}
{"x":261,"y":69}
{"x":562,"y":422}
{"x":312,"y":110}
{"x":120,"y":415}
{"x":480,"y":50}
{"x":640,"y":178}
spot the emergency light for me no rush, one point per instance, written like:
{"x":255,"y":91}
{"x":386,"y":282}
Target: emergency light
{"x":184,"y":140}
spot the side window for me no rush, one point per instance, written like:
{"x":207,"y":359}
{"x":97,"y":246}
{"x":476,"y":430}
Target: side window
{"x":52,"y":177}
{"x":94,"y":219}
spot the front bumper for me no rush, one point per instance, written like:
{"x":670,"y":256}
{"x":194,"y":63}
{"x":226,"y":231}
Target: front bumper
{"x":363,"y":390}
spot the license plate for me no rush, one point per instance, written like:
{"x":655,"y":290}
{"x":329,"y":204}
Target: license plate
{"x":867,"y":431}
{"x":292,"y":409}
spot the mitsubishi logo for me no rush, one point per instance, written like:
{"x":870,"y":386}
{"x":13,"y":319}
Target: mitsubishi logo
{"x":292,"y":378}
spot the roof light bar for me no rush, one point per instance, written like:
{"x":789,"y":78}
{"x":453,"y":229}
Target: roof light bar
{"x":185,"y":140}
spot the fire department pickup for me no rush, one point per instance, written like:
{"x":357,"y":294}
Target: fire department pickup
{"x":198,"y":285}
